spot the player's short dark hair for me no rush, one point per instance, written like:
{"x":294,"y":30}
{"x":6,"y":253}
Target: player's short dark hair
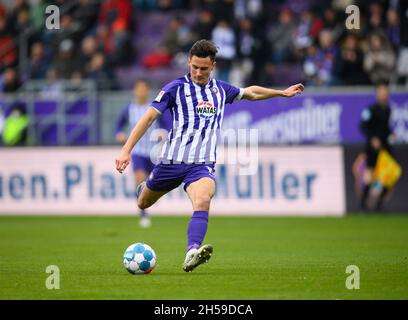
{"x":203,"y":48}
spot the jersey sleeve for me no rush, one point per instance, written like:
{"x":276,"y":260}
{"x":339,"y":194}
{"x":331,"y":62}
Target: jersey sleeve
{"x":232,"y":93}
{"x":166,"y":97}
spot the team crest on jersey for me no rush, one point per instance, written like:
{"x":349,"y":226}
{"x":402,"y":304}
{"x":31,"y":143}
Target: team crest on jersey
{"x":205,"y":109}
{"x":214,"y":90}
{"x":159,"y":96}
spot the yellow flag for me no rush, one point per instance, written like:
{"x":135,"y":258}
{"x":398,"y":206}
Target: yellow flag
{"x":387,"y":170}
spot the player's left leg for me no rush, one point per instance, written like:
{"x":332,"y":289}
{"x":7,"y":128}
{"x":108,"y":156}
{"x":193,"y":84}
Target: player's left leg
{"x":200,"y":193}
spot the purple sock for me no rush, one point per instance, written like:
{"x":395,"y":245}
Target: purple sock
{"x":197,"y":229}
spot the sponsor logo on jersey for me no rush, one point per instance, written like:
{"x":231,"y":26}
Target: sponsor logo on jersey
{"x":205,"y":109}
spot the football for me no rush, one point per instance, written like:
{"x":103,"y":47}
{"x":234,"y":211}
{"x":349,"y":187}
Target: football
{"x":139,"y":258}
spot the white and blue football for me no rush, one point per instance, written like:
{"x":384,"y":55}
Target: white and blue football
{"x":139,"y":258}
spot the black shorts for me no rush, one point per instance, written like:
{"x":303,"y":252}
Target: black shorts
{"x":372,"y":154}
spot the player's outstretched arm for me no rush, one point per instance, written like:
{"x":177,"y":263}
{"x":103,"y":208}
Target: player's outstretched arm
{"x":260,"y":93}
{"x":123,"y":159}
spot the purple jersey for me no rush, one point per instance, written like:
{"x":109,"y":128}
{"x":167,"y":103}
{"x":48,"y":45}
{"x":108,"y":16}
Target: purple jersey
{"x":197,"y":117}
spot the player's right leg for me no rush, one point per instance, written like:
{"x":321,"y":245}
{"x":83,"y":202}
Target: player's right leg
{"x":148,"y":197}
{"x":162,"y":179}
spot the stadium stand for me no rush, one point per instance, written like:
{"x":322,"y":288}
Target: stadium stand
{"x":111,"y":43}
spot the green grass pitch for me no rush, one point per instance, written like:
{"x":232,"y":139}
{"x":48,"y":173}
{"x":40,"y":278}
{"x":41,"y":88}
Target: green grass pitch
{"x":254,"y":258}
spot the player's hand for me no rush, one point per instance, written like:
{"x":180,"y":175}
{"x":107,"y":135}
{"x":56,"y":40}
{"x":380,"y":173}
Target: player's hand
{"x":122,"y":161}
{"x":293,"y":90}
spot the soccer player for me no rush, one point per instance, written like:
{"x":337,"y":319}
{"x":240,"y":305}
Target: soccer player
{"x":141,"y":156}
{"x":188,"y":156}
{"x":375,"y":125}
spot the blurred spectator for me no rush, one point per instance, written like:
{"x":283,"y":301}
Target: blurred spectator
{"x":177,"y":37}
{"x":332,"y":23}
{"x":53,"y":87}
{"x":165,"y":5}
{"x":250,"y":48}
{"x":86,"y":15}
{"x":37,"y":16}
{"x":376,"y":22}
{"x":319,"y":63}
{"x":77,"y":76}
{"x":8,"y":52}
{"x":349,"y":66}
{"x":112,"y":11}
{"x":280,"y":37}
{"x":176,"y":40}
{"x":69,"y":30}
{"x":38,"y":64}
{"x":99,"y":71}
{"x":393,"y":29}
{"x":202,"y":29}
{"x":15,"y":126}
{"x":89,"y":46}
{"x":114,"y":31}
{"x":10,"y":81}
{"x":121,"y":50}
{"x":3,"y":12}
{"x":306,"y":31}
{"x":222,"y":9}
{"x":64,"y":62}
{"x":75,"y":84}
{"x":402,"y":65}
{"x":145,"y":5}
{"x":223,"y":37}
{"x":23,"y":23}
{"x":298,"y":6}
{"x":311,"y":66}
{"x":379,"y":60}
{"x":18,"y":6}
{"x":253,"y":9}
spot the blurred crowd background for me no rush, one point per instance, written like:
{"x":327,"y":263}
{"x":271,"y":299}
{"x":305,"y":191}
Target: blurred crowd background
{"x":267,"y":42}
